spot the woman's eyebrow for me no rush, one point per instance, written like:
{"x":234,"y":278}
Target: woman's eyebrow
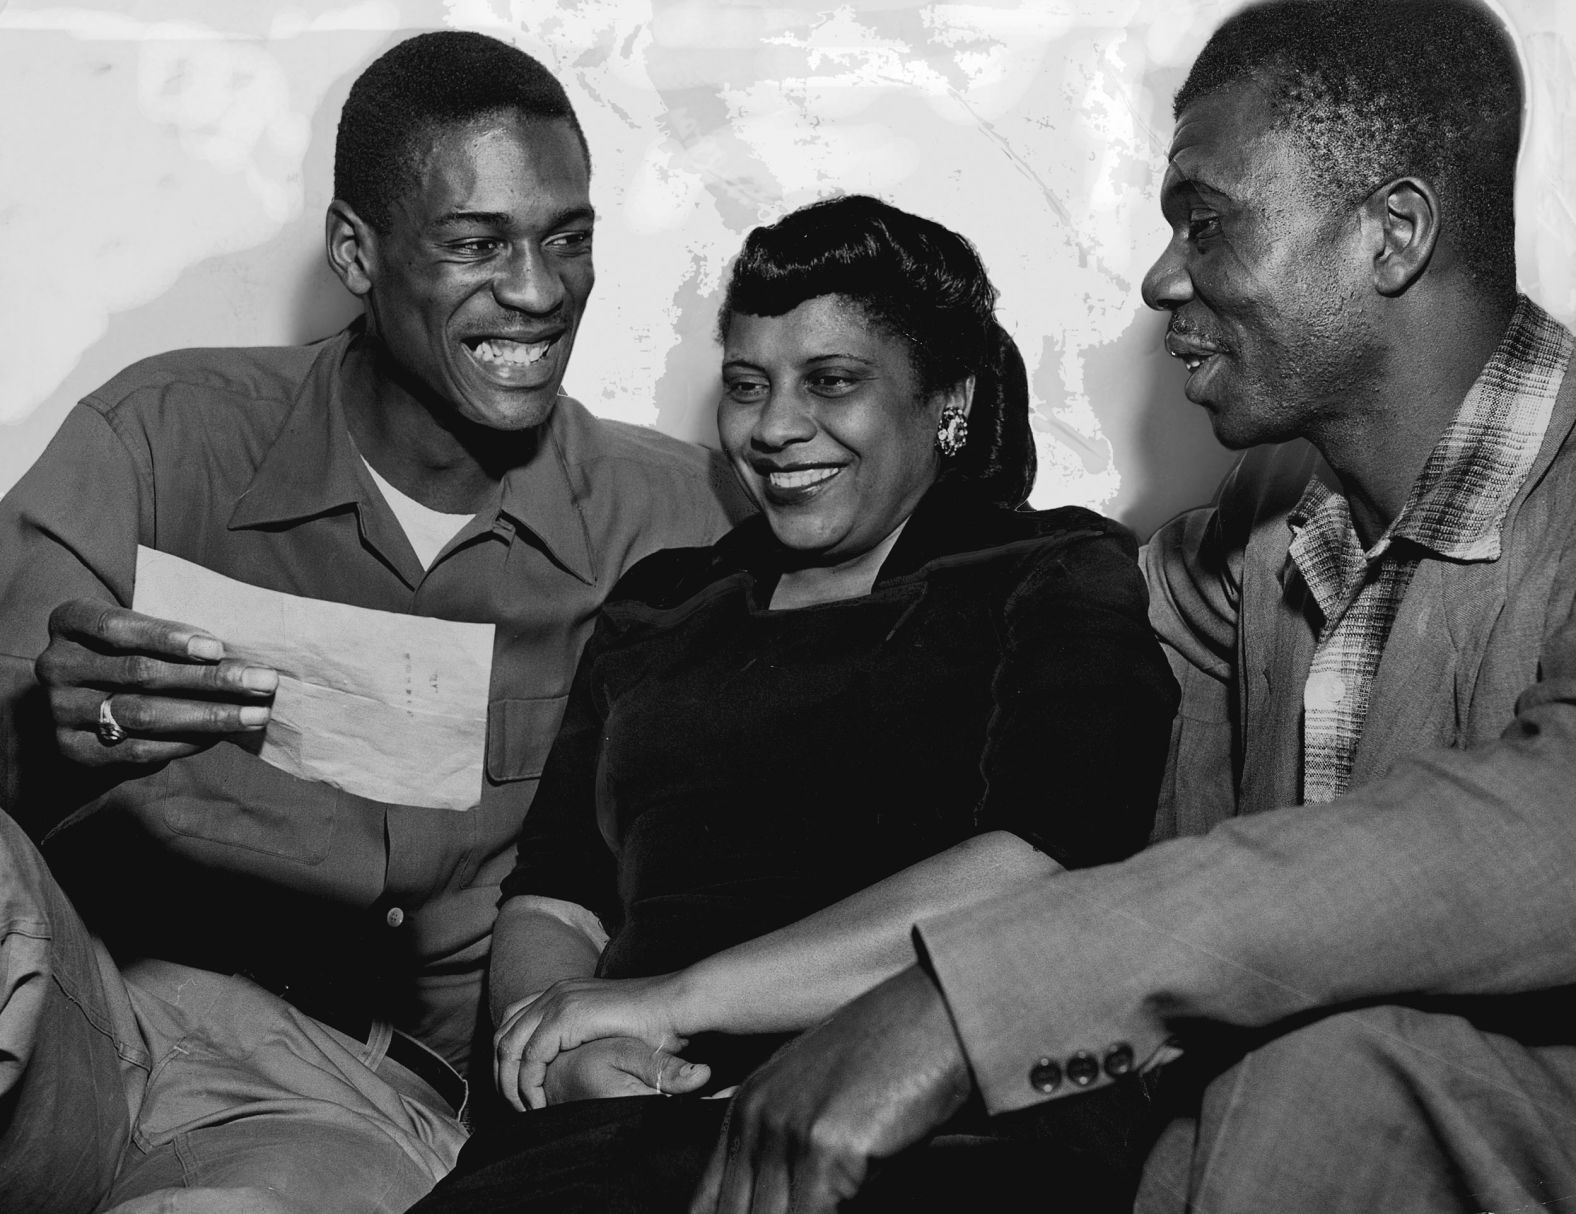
{"x":841,"y":357}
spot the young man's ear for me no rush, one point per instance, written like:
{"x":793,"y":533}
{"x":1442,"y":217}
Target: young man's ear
{"x":1403,"y":217}
{"x":351,"y":245}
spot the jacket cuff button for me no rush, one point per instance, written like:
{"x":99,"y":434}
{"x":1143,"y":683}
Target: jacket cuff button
{"x":1045,"y":1076}
{"x":1082,"y":1068}
{"x":1119,"y":1060}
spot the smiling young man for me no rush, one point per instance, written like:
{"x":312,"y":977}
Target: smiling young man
{"x":275,"y":1007}
{"x":1352,"y":980}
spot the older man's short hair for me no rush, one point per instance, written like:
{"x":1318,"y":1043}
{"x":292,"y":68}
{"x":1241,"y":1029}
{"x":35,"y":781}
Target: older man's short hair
{"x":424,"y":83}
{"x":1380,"y":89}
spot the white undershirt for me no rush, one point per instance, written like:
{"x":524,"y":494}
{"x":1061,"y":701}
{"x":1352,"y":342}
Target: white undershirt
{"x":428,"y":530}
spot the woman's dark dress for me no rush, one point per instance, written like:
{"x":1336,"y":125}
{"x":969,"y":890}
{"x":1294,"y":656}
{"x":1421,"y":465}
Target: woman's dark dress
{"x":724,"y":770}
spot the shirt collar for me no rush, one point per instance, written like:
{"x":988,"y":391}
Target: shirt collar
{"x":1456,"y":508}
{"x":543,"y":495}
{"x":1458,"y":504}
{"x":313,"y":467}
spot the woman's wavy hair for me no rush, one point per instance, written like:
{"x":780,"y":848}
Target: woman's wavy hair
{"x":919,"y":281}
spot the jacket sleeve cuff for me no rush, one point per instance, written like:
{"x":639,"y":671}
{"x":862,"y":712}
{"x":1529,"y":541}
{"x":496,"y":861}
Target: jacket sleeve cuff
{"x":1024,"y":1036}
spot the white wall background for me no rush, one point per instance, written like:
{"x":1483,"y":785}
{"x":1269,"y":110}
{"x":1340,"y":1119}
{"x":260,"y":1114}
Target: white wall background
{"x":164,"y":165}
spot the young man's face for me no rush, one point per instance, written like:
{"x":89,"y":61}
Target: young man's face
{"x":1265,"y":279}
{"x":480,"y":281}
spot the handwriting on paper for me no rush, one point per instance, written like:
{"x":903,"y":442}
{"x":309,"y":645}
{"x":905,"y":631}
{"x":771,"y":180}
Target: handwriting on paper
{"x":379,"y":704}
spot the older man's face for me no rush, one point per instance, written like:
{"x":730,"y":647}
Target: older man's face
{"x":479,"y":284}
{"x":1266,"y":282}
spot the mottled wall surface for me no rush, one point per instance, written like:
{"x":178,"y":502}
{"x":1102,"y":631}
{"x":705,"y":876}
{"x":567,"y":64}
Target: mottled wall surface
{"x":166,"y":164}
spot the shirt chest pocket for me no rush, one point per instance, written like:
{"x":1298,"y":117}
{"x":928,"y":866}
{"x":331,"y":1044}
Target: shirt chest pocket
{"x":520,"y":734}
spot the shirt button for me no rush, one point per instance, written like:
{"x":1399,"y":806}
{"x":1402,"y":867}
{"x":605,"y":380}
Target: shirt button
{"x":1082,"y":1068}
{"x":1325,"y":689}
{"x":1045,"y":1076}
{"x":1119,"y":1060}
{"x":395,"y":916}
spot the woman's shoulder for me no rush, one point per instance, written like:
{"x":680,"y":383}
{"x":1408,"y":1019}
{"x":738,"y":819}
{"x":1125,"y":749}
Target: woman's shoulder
{"x":664,"y":579}
{"x":1044,"y":572}
{"x":1030,"y":560}
{"x":672,"y":576}
{"x":995,"y":532}
{"x":1068,"y":523}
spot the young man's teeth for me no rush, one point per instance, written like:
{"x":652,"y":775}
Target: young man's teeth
{"x":799,"y":478}
{"x":514,"y":353}
{"x":1193,"y":363}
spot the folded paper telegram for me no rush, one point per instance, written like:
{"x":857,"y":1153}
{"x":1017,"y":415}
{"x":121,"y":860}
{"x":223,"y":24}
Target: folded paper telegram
{"x":382,"y":705}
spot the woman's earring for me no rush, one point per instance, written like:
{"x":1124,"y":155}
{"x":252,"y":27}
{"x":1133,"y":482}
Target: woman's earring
{"x":952,"y":431}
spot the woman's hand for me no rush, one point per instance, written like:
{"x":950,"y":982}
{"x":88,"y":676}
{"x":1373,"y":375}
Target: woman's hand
{"x":619,"y":1066}
{"x":536,"y":1029}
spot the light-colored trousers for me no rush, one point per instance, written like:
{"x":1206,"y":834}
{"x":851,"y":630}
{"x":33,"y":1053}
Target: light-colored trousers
{"x":171,"y":1089}
{"x":1380,"y":1110}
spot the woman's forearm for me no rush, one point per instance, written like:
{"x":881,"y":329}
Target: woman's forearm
{"x":537,"y":941}
{"x":790,"y":979}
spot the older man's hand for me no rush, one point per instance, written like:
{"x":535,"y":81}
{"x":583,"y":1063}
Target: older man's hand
{"x":170,"y":690}
{"x":881,"y":1075}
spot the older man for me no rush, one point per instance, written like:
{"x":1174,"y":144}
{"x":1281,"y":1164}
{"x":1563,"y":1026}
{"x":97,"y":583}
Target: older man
{"x":277,"y":1006}
{"x":1368,"y":972}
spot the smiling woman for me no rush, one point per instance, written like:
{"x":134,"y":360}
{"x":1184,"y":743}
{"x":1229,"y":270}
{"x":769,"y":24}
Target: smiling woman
{"x":782,"y":751}
{"x":827,"y":428}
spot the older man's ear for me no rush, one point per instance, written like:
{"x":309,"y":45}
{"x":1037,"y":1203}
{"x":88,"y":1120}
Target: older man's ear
{"x":1401,"y":219}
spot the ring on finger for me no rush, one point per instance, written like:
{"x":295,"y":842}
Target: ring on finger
{"x":110,"y":731}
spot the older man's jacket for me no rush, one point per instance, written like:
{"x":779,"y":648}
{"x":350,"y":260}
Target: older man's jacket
{"x":1446,"y":872}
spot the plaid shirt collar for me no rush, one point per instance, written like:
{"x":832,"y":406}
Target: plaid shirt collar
{"x":1457,"y":505}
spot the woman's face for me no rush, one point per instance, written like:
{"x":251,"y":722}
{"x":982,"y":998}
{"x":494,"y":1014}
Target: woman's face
{"x":822,"y":418}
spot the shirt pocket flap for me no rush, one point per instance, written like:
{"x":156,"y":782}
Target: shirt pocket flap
{"x":519,"y":735}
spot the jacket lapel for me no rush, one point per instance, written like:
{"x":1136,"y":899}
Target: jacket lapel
{"x":1424,"y":682}
{"x":1412,"y":705}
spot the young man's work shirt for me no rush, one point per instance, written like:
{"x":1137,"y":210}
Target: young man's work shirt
{"x":241,"y":461}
